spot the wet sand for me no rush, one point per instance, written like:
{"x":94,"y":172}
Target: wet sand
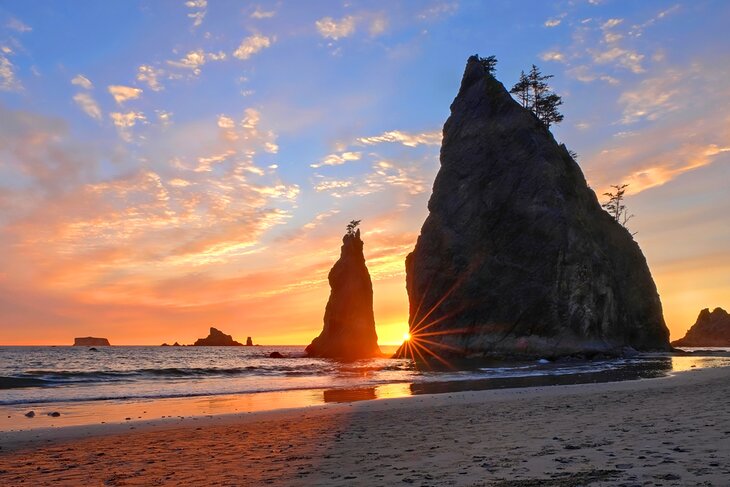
{"x":668,"y":431}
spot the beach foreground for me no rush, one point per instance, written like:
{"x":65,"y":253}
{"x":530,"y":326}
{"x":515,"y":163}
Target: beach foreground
{"x":669,"y":431}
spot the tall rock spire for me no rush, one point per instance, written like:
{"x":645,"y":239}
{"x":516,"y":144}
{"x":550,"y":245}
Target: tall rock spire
{"x":516,"y":255}
{"x":349,"y":322}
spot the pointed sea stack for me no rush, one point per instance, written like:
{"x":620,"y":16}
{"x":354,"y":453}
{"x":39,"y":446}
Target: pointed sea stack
{"x":517,"y":257}
{"x":710,"y":330}
{"x":349,"y":322}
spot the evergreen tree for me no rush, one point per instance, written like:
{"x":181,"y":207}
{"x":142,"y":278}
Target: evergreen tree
{"x":489,"y":63}
{"x":533,"y":92}
{"x":615,"y":205}
{"x":522,"y":90}
{"x":352,"y":226}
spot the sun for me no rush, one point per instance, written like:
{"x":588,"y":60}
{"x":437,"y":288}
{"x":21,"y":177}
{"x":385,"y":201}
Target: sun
{"x":406,"y":337}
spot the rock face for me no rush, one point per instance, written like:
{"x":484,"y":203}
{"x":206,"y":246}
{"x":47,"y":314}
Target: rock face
{"x":216,"y":338}
{"x":349,"y":322}
{"x":710,"y":330}
{"x":516,"y":256}
{"x":91,"y":342}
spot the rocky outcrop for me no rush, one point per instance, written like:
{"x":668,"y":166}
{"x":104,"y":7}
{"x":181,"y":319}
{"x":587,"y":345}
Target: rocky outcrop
{"x":91,"y":342}
{"x":216,"y":338}
{"x":710,"y":330}
{"x":349,"y":322}
{"x":249,"y":342}
{"x":516,"y":256}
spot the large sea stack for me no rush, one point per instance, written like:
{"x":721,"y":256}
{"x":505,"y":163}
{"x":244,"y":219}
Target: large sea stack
{"x":710,"y":330}
{"x":349,"y":322}
{"x":516,"y":256}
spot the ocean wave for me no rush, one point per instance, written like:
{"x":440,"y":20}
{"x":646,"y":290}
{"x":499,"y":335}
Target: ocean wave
{"x":19,"y":382}
{"x":43,"y":378}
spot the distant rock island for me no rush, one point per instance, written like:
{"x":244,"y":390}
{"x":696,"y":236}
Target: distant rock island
{"x":516,"y":256}
{"x":216,"y":338}
{"x":91,"y":342}
{"x":710,"y":330}
{"x":349,"y":323}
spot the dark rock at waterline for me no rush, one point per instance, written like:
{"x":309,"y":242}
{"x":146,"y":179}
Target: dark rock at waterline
{"x":30,"y":414}
{"x":216,"y":338}
{"x":93,"y":349}
{"x":91,"y":342}
{"x":517,"y":256}
{"x":249,"y":342}
{"x":349,"y":322}
{"x":54,"y":414}
{"x":275,"y":355}
{"x":712,"y":329}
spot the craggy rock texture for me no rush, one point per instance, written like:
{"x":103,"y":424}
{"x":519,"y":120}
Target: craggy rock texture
{"x":91,"y":342}
{"x":349,"y":323}
{"x":710,"y":330}
{"x":517,"y":257}
{"x":216,"y":338}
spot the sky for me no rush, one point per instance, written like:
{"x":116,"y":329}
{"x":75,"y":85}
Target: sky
{"x":167,"y":166}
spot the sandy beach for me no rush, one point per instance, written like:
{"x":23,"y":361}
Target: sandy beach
{"x":669,"y":431}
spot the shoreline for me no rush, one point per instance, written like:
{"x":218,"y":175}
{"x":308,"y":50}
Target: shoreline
{"x":625,"y":430}
{"x":14,"y":439}
{"x":134,"y":411}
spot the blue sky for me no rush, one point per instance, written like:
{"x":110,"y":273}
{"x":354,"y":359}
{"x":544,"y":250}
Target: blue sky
{"x":169,"y":164}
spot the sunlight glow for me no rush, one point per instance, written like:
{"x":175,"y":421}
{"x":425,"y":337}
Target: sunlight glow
{"x":406,"y":337}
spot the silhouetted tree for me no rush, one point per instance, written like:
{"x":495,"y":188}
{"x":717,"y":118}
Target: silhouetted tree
{"x":522,"y":90}
{"x":352,"y":226}
{"x":489,"y":63}
{"x":615,"y":205}
{"x":534,"y":93}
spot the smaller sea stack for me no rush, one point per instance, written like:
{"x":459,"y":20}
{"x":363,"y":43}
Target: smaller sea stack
{"x":710,"y":330}
{"x":349,"y":323}
{"x":217,"y":338}
{"x":91,"y":342}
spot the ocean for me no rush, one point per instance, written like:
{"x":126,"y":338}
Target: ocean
{"x":78,"y":378}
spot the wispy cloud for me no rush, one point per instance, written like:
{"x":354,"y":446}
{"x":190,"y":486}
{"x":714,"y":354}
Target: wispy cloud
{"x":653,"y":98}
{"x":8,"y":80}
{"x":193,"y":60}
{"x":336,"y":29}
{"x":555,"y":21}
{"x":199,"y":10}
{"x":438,"y":10}
{"x":260,"y":13}
{"x":556,"y":56}
{"x":150,"y":75}
{"x":124,"y":122}
{"x":251,"y":45}
{"x":337,"y":159}
{"x":18,"y":26}
{"x":87,"y":103}
{"x":82,"y":81}
{"x":123,"y":94}
{"x":410,"y":140}
{"x":678,"y":125}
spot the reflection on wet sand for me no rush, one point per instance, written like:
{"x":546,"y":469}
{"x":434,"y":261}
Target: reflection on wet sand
{"x":349,"y":395}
